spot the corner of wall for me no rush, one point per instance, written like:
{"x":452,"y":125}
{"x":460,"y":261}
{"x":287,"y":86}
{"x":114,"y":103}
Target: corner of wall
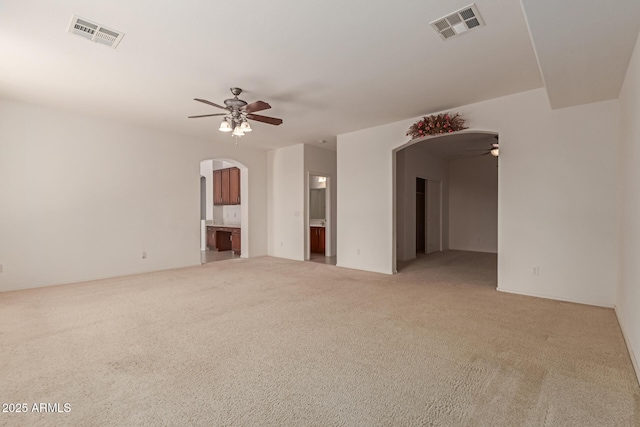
{"x":634,"y":359}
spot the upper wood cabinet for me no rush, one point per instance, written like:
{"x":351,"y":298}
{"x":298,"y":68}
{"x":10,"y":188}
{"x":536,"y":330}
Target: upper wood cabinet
{"x":226,"y":186}
{"x":234,"y":186}
{"x":217,"y":187}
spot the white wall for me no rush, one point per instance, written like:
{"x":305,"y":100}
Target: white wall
{"x":319,"y":161}
{"x":286,"y":186}
{"x":217,"y":214}
{"x":206,"y":170}
{"x":558,"y":204}
{"x":473,"y":204}
{"x":628,"y":296}
{"x":231,"y":214}
{"x":411,"y":163}
{"x":83,"y":197}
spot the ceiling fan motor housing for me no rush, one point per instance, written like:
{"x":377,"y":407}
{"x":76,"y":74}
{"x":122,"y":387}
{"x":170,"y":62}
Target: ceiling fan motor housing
{"x":234,"y":103}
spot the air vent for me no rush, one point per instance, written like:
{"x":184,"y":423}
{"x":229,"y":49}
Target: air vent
{"x":458,"y":22}
{"x":95,"y":32}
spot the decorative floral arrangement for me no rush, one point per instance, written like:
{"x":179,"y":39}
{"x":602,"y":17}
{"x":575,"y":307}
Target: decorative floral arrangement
{"x":435,"y":125}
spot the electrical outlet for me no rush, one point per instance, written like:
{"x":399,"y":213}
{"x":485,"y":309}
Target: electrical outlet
{"x":144,"y":255}
{"x":281,"y":244}
{"x":535,"y":271}
{"x":0,"y":268}
{"x":358,"y":251}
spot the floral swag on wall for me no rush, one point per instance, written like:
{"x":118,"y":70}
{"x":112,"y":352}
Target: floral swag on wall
{"x":436,"y":125}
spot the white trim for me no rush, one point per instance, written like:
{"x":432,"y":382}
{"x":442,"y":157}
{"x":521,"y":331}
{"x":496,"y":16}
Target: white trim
{"x":556,"y":298}
{"x":634,"y":361}
{"x":96,"y":278}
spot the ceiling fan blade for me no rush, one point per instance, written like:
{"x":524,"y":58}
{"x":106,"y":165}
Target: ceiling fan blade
{"x":264,"y":119}
{"x":480,"y":149}
{"x":207,"y":115}
{"x":209,"y":103}
{"x":256,"y":106}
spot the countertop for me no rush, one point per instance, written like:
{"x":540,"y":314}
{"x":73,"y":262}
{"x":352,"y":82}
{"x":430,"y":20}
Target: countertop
{"x":211,"y":224}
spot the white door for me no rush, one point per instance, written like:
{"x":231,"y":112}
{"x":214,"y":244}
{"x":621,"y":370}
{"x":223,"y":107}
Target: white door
{"x":434,"y":220}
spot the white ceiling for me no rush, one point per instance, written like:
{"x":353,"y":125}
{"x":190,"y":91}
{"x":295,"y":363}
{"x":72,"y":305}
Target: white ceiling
{"x":326,"y":67}
{"x":583,"y":47}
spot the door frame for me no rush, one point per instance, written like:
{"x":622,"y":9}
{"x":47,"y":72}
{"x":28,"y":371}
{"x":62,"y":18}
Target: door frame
{"x":396,"y":196}
{"x":328,"y":223}
{"x":423,"y":238}
{"x":245,"y":212}
{"x":440,"y":212}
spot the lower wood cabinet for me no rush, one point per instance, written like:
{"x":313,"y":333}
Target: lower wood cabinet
{"x":235,"y":241}
{"x":211,"y":238}
{"x":316,"y":240}
{"x":224,"y":239}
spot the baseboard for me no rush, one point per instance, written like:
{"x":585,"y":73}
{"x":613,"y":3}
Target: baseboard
{"x":350,"y":267}
{"x":94,"y":279}
{"x":597,"y":304}
{"x":634,"y":360}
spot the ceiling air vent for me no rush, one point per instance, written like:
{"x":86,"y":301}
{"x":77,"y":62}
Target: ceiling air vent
{"x":458,"y":22}
{"x":95,"y":32}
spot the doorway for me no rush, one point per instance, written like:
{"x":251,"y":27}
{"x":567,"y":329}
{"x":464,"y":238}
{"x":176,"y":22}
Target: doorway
{"x":319,"y":219}
{"x":445,"y":197}
{"x":225,"y":206}
{"x":428,"y":216}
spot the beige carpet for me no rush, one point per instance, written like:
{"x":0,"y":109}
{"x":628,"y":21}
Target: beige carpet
{"x":269,"y":342}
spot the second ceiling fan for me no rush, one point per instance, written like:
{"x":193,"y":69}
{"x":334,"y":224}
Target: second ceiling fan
{"x":238,"y":113}
{"x":494,"y":150}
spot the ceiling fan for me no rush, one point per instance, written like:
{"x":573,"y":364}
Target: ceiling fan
{"x":494,"y":150}
{"x":238,"y":112}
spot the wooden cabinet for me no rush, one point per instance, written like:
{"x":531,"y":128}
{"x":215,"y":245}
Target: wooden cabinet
{"x":211,"y":238}
{"x":224,"y":239}
{"x":317,"y":239}
{"x":235,"y":241}
{"x":226,"y":186}
{"x":217,"y":187}
{"x":234,"y":186}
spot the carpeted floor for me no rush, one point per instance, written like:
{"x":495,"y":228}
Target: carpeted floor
{"x":269,"y":342}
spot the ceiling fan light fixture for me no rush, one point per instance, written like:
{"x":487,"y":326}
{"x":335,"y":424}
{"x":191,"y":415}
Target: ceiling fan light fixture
{"x":237,"y":131}
{"x":237,"y":112}
{"x":225,"y":127}
{"x":244,"y":127}
{"x":495,"y":152}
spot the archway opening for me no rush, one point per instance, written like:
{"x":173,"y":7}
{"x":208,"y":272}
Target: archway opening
{"x":446,"y":202}
{"x":224,"y":230}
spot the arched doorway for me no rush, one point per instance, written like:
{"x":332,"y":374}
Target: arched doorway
{"x":446,"y":197}
{"x":228,"y":219}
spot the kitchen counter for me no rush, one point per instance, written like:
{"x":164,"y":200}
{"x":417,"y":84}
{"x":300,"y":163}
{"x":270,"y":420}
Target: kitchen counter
{"x":211,"y":224}
{"x":223,"y":237}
